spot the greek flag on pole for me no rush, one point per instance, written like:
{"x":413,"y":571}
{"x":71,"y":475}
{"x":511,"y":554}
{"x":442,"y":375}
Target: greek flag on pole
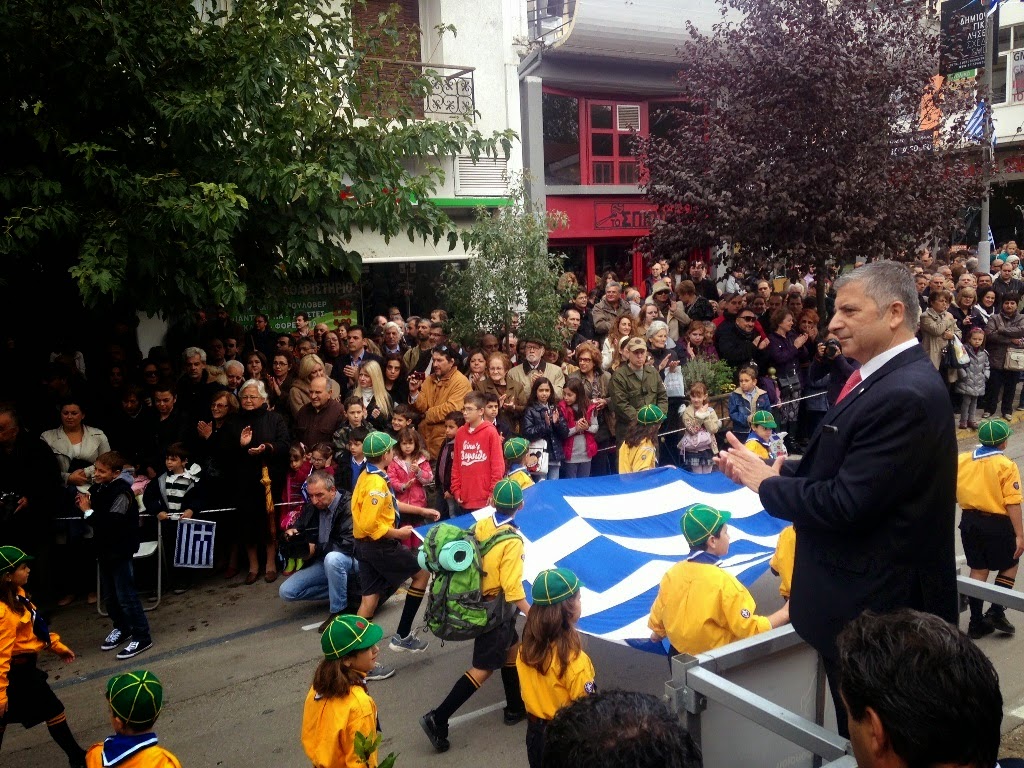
{"x":621,"y":533}
{"x":194,"y":546}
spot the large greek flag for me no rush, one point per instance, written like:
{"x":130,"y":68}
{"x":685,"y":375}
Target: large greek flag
{"x":193,"y":547}
{"x":620,"y":534}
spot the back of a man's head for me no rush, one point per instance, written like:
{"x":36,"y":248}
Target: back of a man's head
{"x":932,"y":690}
{"x":618,"y":729}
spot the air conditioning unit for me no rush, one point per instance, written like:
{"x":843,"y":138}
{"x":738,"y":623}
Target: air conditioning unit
{"x":487,"y":177}
{"x":627,"y":117}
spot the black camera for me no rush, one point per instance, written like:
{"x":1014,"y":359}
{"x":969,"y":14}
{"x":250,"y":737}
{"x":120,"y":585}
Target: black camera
{"x":832,"y":348}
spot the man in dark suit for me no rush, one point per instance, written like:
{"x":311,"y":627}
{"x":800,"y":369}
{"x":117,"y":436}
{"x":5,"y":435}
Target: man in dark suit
{"x":873,"y":499}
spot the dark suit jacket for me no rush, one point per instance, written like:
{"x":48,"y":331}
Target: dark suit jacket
{"x":873,"y":503}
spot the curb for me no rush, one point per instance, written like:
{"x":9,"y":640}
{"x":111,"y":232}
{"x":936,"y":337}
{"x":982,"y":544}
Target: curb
{"x":972,"y":434}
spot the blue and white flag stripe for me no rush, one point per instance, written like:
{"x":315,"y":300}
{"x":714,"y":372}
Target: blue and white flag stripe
{"x":621,"y":533}
{"x":193,"y":546}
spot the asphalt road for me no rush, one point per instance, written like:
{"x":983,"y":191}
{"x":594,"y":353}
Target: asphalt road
{"x":236,"y":664}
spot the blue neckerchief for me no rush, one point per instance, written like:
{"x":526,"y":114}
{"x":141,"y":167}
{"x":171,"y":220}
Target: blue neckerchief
{"x":702,"y":556}
{"x":118,"y":748}
{"x":39,"y":627}
{"x":373,"y":469}
{"x":515,"y":468}
{"x":984,"y":450}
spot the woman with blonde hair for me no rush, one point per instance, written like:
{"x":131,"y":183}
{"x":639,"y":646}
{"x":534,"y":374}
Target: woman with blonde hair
{"x":376,"y":399}
{"x":310,"y":367}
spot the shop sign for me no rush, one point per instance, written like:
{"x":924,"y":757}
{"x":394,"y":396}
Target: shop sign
{"x":1017,"y":77}
{"x":962,"y":35}
{"x":623,"y":215}
{"x":331,"y":301}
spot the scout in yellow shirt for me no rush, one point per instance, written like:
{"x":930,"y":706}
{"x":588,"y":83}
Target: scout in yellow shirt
{"x":25,"y":696}
{"x":988,"y":491}
{"x":639,"y":451}
{"x":783,"y":559}
{"x":553,"y":669}
{"x":384,"y":564}
{"x":700,"y":606}
{"x":135,"y":700}
{"x":763,"y":442}
{"x":518,"y":461}
{"x":495,"y":649}
{"x":337,"y":707}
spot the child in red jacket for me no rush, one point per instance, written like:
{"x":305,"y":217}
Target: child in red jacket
{"x":478,"y":463}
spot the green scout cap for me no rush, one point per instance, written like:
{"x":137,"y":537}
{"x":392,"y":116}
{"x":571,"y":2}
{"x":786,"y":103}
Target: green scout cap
{"x":376,"y":444}
{"x":516,"y":447}
{"x":650,"y":414}
{"x":701,"y":522}
{"x":994,"y":431}
{"x":763,"y":419}
{"x":11,"y":558}
{"x":507,"y":494}
{"x":554,"y":586}
{"x":136,"y":697}
{"x":347,"y":634}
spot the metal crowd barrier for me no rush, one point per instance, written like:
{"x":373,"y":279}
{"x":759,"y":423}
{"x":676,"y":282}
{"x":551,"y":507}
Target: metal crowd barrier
{"x":764,"y":701}
{"x":155,"y":547}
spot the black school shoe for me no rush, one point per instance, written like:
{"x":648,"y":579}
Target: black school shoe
{"x":514,"y":716}
{"x":979,"y":628}
{"x":430,"y":727}
{"x":998,"y":621}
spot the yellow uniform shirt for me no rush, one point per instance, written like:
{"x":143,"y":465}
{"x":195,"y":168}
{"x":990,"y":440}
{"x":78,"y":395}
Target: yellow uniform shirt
{"x":701,"y":606}
{"x":330,"y":725}
{"x":521,"y":477}
{"x":644,"y":456}
{"x":373,"y":508}
{"x":503,"y":564}
{"x":150,"y":757}
{"x":782,"y":560}
{"x":545,"y":694}
{"x":17,"y":638}
{"x":756,"y":447}
{"x":988,"y":481}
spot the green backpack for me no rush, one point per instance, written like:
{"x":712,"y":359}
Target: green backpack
{"x":456,"y":608}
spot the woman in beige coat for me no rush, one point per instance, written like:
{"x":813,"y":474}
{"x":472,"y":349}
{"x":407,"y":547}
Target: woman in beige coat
{"x":938,"y":327}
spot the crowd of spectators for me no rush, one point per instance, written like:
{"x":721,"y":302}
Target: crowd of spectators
{"x":240,"y":400}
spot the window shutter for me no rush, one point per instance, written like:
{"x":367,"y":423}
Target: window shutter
{"x":486,"y":177}
{"x":627,"y":117}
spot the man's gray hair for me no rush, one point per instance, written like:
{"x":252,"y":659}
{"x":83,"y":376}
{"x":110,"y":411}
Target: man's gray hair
{"x":323,"y":477}
{"x":261,"y":388}
{"x":612,"y":284}
{"x":191,"y":352}
{"x":886,"y":282}
{"x":233,"y":364}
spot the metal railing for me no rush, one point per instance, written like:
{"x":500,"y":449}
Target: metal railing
{"x":768,"y":695}
{"x":451,"y":88}
{"x":547,"y":20}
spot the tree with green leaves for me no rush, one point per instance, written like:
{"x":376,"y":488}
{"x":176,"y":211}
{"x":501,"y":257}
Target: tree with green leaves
{"x":512,"y":281}
{"x":178,"y":157}
{"x":798,"y":138}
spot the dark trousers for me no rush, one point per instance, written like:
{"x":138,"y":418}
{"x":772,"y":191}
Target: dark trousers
{"x":1000,"y":380}
{"x":535,"y":729}
{"x":117,"y":578}
{"x":832,"y":673}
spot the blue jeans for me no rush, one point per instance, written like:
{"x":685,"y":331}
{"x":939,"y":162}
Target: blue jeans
{"x":580,"y":469}
{"x":117,"y":580}
{"x":325,"y":579}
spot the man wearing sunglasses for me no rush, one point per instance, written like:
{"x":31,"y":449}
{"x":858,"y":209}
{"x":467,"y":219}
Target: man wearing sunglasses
{"x":739,"y":343}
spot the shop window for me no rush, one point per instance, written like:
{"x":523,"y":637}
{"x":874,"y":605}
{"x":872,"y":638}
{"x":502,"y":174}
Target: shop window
{"x":561,"y":117}
{"x":616,"y":258}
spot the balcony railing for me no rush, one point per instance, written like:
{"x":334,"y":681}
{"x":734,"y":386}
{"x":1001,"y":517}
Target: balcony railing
{"x":547,"y":20}
{"x":451,"y":93}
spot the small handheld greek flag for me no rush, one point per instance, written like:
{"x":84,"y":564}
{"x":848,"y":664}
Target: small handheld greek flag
{"x":193,"y":547}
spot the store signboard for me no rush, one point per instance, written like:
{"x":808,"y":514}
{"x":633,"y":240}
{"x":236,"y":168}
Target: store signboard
{"x":1015,"y":81}
{"x":962,"y":35}
{"x":333,"y":302}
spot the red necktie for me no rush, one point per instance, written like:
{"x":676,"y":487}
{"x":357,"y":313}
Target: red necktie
{"x":851,"y":382}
